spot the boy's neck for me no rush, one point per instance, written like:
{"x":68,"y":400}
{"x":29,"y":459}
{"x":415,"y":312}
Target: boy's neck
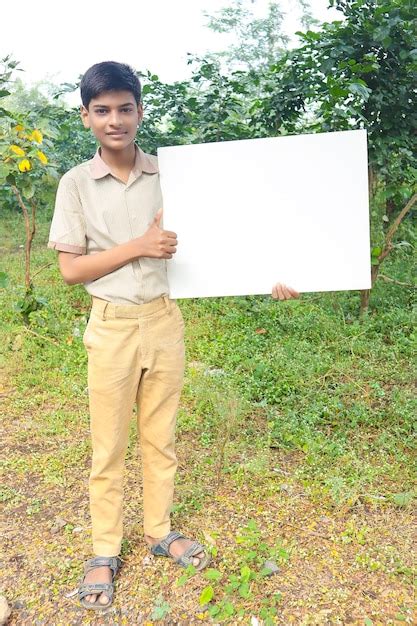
{"x":119,"y":159}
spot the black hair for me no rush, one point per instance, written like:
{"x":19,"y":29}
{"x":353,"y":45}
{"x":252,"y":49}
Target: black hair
{"x":109,"y":76}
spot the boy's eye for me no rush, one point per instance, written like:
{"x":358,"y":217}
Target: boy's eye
{"x":123,"y":110}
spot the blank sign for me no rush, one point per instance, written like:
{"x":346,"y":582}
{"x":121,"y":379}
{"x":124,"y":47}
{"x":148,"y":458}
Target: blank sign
{"x":254,"y":212}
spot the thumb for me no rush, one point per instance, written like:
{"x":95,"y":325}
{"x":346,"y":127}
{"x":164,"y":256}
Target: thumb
{"x":157,"y":219}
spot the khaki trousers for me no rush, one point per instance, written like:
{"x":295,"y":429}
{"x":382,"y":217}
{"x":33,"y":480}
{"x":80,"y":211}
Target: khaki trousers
{"x":135,"y":354}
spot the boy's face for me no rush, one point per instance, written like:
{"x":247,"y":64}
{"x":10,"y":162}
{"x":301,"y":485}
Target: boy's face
{"x":113,"y":118}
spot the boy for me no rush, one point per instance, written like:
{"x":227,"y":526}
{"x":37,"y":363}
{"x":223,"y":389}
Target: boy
{"x":108,"y":232}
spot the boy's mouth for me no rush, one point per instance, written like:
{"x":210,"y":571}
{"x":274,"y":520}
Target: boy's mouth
{"x":117,"y":133}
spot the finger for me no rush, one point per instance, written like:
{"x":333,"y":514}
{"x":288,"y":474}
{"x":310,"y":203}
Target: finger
{"x":274,"y":292}
{"x":170,"y":241}
{"x":169,"y":249}
{"x":157,"y":218}
{"x":280,"y":292}
{"x":286,"y":293}
{"x":169,"y":233}
{"x":293,"y":292}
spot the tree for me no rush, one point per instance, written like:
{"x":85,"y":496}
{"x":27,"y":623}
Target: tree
{"x":260,"y":41}
{"x":357,"y":73}
{"x":24,"y":166}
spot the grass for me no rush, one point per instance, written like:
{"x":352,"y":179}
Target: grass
{"x":297,"y":422}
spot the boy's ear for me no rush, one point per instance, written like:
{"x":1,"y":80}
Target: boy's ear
{"x":84,"y":116}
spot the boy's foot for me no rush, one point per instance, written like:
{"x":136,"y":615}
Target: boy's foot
{"x":177,"y":548}
{"x":98,"y":575}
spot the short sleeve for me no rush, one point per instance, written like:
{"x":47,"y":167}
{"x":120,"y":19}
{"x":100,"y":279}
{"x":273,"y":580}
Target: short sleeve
{"x":68,"y":228}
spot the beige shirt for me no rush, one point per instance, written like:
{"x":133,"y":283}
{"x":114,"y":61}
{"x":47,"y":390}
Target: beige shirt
{"x":96,"y":211}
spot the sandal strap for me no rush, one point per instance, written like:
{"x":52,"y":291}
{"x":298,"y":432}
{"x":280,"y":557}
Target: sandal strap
{"x":103,"y":561}
{"x":192,"y":550}
{"x":162,"y":548}
{"x":88,"y":589}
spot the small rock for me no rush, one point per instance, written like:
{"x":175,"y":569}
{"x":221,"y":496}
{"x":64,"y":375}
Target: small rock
{"x":58,"y":524}
{"x":78,"y":529}
{"x":147,"y":560}
{"x":5,"y":610}
{"x":19,"y":604}
{"x":271,"y":565}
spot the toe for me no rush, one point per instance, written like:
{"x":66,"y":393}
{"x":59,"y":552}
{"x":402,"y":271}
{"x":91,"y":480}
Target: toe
{"x":90,"y":599}
{"x":103,"y":598}
{"x":197,"y":558}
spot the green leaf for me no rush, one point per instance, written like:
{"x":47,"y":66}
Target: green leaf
{"x":265,"y":571}
{"x":228,"y":609}
{"x":11,"y":179}
{"x":206,"y":595}
{"x":182,"y":580}
{"x":244,"y":590}
{"x":4,"y":171}
{"x":368,"y":622}
{"x":161,"y":611}
{"x":213,"y":574}
{"x":359,"y":90}
{"x":245,"y":573}
{"x":376,"y":251}
{"x":402,"y":499}
{"x":28,"y":191}
{"x":214,"y":610}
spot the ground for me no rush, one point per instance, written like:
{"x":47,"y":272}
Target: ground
{"x":296,"y":444}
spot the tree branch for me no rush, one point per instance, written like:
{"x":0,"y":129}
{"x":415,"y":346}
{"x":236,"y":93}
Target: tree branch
{"x":394,"y":227}
{"x":387,"y":279}
{"x":28,"y":235}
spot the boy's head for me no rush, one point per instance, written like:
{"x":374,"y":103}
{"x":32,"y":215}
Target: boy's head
{"x":108,"y":76}
{"x":111,"y":107}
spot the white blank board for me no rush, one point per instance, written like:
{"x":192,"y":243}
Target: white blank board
{"x":254,"y":212}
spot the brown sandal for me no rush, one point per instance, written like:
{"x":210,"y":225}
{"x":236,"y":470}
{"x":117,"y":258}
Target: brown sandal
{"x":186,"y":559}
{"x":89,"y":589}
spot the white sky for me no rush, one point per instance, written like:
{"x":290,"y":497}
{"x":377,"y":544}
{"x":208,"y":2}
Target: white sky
{"x":59,"y":41}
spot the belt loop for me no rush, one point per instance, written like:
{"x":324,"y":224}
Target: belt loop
{"x":167,"y":304}
{"x":103,"y":314}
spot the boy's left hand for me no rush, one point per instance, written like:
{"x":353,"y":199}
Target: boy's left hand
{"x":283,"y":292}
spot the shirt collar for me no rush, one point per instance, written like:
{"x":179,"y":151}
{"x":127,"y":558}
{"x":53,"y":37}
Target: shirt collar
{"x":99,"y":169}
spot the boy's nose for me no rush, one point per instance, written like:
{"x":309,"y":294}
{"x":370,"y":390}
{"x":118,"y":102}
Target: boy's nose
{"x":115,"y":120}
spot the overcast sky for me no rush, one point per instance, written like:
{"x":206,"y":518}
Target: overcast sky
{"x":59,"y":41}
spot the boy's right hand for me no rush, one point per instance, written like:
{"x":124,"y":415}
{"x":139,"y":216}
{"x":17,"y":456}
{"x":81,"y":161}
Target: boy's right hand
{"x":156,"y":242}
